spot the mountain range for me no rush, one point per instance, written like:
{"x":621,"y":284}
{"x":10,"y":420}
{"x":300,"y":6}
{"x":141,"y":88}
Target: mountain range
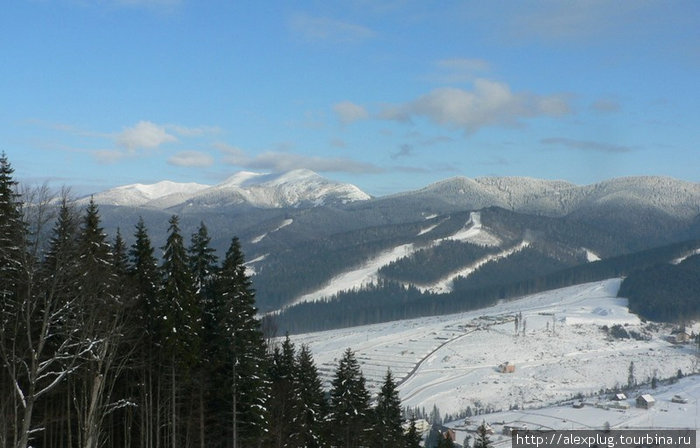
{"x":295,"y":188}
{"x":309,"y":238}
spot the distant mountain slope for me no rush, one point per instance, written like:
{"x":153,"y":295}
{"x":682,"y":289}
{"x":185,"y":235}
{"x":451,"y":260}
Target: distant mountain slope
{"x":140,"y":195}
{"x":307,"y":237}
{"x":295,"y":188}
{"x":558,"y":198}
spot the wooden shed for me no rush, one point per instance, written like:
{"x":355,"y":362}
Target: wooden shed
{"x":506,"y":367}
{"x":645,"y":401}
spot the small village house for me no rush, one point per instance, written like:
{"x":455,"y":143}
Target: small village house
{"x":645,"y":401}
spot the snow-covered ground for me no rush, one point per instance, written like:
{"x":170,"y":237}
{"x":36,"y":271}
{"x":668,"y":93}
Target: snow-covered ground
{"x":596,"y":412}
{"x":474,"y":232}
{"x":361,"y":276}
{"x":284,"y":224}
{"x":560,"y":351}
{"x":368,"y":273}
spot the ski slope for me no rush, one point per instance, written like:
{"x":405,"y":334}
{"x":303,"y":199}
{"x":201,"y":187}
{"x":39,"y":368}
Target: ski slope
{"x":368,"y":273}
{"x":451,"y":361}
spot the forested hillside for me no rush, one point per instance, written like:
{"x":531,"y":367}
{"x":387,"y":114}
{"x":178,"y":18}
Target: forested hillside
{"x":104,"y":345}
{"x":665,"y":292}
{"x":531,"y":271}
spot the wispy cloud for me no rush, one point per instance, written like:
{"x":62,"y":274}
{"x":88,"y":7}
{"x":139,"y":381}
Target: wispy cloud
{"x":605,"y":105}
{"x":191,"y":159}
{"x":338,"y":143}
{"x":197,"y":131}
{"x":144,"y":135}
{"x":349,"y":112}
{"x":459,"y":70}
{"x":553,"y":20}
{"x":405,"y":150}
{"x":325,"y":29}
{"x":108,"y":156}
{"x":490,"y":103}
{"x":277,"y":161}
{"x":585,"y":145}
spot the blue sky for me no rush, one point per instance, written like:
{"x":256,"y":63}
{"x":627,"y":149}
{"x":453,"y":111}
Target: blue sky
{"x":390,"y":95}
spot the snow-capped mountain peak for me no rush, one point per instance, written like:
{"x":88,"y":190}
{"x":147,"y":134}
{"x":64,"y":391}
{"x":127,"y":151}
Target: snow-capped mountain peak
{"x":289,"y":189}
{"x":243,"y":178}
{"x":138,"y":195}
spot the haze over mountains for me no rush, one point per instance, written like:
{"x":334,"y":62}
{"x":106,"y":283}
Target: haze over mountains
{"x":306,"y":236}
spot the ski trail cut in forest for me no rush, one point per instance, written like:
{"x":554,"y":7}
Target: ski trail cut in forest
{"x":368,"y":273}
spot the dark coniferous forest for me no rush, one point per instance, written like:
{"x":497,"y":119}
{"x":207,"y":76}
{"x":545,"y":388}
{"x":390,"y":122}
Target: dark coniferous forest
{"x":103,"y":345}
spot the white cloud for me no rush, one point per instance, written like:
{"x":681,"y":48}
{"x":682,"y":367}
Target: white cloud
{"x":490,"y":103}
{"x":144,"y":134}
{"x":348,"y":112}
{"x":585,"y":145}
{"x":277,"y":161}
{"x":324,"y":29}
{"x":191,"y":158}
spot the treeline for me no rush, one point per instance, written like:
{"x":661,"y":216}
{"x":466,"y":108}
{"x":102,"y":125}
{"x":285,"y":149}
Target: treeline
{"x":666,"y":292}
{"x":102,"y":345}
{"x":389,"y":301}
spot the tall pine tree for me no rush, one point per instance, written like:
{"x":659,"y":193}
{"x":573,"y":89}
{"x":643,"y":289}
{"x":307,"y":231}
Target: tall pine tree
{"x":349,"y":406}
{"x":143,"y":269}
{"x":241,"y":357}
{"x":282,"y":394}
{"x":179,"y":323}
{"x":12,"y":276}
{"x":312,"y":407}
{"x":387,"y":430}
{"x":412,"y":438}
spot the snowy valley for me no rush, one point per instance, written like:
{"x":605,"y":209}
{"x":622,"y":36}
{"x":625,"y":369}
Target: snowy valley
{"x":565,"y":349}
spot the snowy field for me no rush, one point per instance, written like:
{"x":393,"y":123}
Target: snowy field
{"x":452,"y":361}
{"x":665,"y":414}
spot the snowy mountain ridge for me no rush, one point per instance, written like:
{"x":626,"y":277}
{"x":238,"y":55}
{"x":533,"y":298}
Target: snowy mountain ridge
{"x":290,"y":189}
{"x":558,"y":198}
{"x":305,"y":188}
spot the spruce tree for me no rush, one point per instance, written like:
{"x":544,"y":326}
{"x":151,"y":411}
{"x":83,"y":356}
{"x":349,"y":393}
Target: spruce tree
{"x":179,"y":324}
{"x":12,"y":301}
{"x":143,"y":269}
{"x":242,"y":354}
{"x":282,"y":394}
{"x":412,"y":438}
{"x":202,"y":260}
{"x":120,"y":259}
{"x":178,"y":314}
{"x":12,"y":234}
{"x":102,"y":318}
{"x":202,"y":264}
{"x":349,"y":406}
{"x":482,"y":437}
{"x":310,"y":415}
{"x":387,"y":430}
